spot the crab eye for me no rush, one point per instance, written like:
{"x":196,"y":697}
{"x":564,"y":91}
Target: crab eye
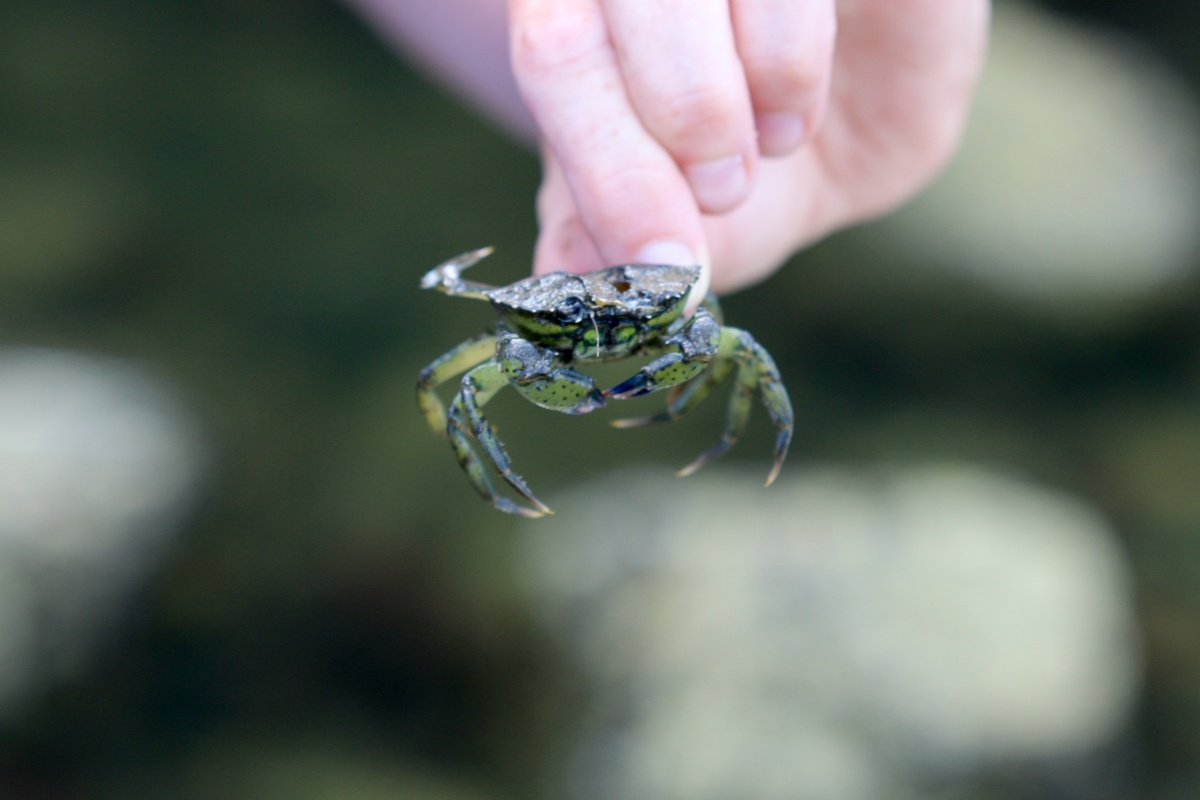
{"x":570,"y":309}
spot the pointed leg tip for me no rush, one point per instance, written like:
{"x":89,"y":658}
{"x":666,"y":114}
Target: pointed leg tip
{"x":510,"y":507}
{"x":774,"y":474}
{"x":517,"y":482}
{"x":705,"y":458}
{"x":473,"y":257}
{"x":537,"y":512}
{"x":541,"y":508}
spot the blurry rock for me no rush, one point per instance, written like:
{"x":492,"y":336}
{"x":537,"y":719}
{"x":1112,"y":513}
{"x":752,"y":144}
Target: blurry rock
{"x":98,"y":464}
{"x":1079,"y":178}
{"x":834,"y":637}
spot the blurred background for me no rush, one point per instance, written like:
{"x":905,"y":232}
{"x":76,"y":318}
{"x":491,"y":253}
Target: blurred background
{"x":235,"y":564}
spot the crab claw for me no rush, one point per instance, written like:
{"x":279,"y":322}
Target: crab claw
{"x":593,"y":400}
{"x":636,"y":386}
{"x":446,"y":277}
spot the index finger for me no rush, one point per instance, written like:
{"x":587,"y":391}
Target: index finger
{"x":629,"y":193}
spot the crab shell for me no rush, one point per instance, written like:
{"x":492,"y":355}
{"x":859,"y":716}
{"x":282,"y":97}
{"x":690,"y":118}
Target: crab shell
{"x":628,"y":291}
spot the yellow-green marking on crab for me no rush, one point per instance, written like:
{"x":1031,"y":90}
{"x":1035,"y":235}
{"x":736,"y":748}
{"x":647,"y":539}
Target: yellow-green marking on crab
{"x":548,"y":324}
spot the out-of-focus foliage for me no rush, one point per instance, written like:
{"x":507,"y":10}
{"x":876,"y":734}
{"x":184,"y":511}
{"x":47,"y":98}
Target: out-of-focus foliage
{"x":241,"y":196}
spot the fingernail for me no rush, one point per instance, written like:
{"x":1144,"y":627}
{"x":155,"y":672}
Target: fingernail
{"x":779,"y":133}
{"x":672,"y":253}
{"x":719,"y":185}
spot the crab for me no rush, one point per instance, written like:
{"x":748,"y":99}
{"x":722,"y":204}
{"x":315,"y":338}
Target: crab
{"x":551,"y":323}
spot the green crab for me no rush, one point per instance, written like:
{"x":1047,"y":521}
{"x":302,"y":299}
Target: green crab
{"x":549,"y":324}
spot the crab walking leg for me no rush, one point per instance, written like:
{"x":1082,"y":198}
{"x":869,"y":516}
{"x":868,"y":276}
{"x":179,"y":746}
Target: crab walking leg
{"x":466,"y":420}
{"x":460,"y":359}
{"x":684,"y":397}
{"x":693,"y":348}
{"x":756,"y":370}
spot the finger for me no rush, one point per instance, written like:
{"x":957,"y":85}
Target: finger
{"x":786,"y":49}
{"x":626,"y":189}
{"x":921,"y":56}
{"x":681,"y":70}
{"x":904,"y":76}
{"x":564,"y":243}
{"x":784,"y":212}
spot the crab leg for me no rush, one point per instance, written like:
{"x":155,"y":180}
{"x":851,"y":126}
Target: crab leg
{"x":460,"y":359}
{"x":684,"y":397}
{"x":756,"y":370}
{"x":693,"y":348}
{"x":466,"y":420}
{"x":447,"y":276}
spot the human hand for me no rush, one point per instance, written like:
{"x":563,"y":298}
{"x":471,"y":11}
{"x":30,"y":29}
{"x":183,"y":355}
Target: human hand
{"x":731,"y":133}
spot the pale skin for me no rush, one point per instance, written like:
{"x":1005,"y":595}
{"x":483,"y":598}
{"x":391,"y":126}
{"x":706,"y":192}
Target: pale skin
{"x":728,"y":133}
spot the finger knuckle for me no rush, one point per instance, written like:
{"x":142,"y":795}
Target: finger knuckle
{"x":780,"y":78}
{"x":697,"y":114}
{"x":547,"y":42}
{"x":790,"y":66}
